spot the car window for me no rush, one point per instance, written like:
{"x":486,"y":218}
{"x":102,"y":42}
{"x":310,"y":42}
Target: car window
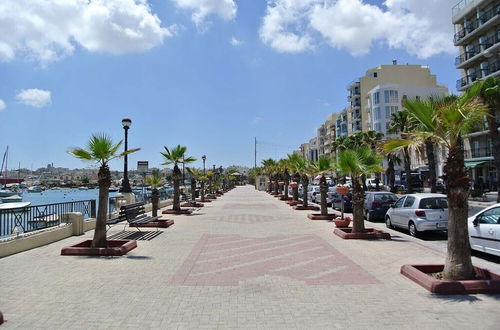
{"x":399,"y":203}
{"x":433,"y":203}
{"x":491,"y":216}
{"x":409,"y":201}
{"x":384,"y":197}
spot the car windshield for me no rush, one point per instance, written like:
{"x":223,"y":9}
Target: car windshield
{"x":385,"y":198}
{"x":433,"y":203}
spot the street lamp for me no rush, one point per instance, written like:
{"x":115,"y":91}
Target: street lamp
{"x":204,"y":159}
{"x":125,"y":188}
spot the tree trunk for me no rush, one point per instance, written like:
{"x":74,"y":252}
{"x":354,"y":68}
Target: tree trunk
{"x":377,"y":181}
{"x":287,"y":181}
{"x":305,"y":183}
{"x":363,"y":179}
{"x":495,"y":140}
{"x":154,"y":202}
{"x":193,"y":189}
{"x":270,"y":185}
{"x":176,"y":177}
{"x":431,"y":161}
{"x":409,"y":187}
{"x":323,"y":189}
{"x":358,"y":198}
{"x":391,"y":175}
{"x":104,"y":177}
{"x":458,"y":264}
{"x":202,"y":192}
{"x":295,"y":191}
{"x":276,"y":185}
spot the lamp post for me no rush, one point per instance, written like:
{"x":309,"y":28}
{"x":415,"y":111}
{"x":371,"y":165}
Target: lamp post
{"x":204,"y":159}
{"x":125,"y":188}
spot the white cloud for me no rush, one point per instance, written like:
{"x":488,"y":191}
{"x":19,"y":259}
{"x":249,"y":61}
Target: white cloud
{"x":35,"y":97}
{"x":257,"y":120}
{"x":225,"y":9}
{"x":416,"y":26}
{"x":2,"y":105}
{"x":46,"y":31}
{"x":236,"y":42}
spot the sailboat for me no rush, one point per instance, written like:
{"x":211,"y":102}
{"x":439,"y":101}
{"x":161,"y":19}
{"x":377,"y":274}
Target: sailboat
{"x":4,"y":192}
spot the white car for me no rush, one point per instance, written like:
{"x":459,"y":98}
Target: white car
{"x":418,"y":213}
{"x":313,"y":193}
{"x":484,"y":230}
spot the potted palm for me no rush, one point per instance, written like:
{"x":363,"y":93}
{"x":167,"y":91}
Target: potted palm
{"x":342,"y":222}
{"x":446,"y":122}
{"x":176,"y":156}
{"x":154,"y":180}
{"x":321,"y":167}
{"x":304,"y":169}
{"x":358,"y":162}
{"x":101,"y":149}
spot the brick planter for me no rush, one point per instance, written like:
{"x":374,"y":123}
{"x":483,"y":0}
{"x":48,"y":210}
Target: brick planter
{"x":286,"y":199}
{"x":160,"y":223}
{"x":1,"y":318}
{"x":342,"y":223}
{"x":309,"y":207}
{"x":370,"y":233}
{"x":192,"y":204}
{"x":278,"y":196}
{"x":205,"y":201}
{"x":182,"y":211}
{"x":318,"y":216}
{"x":115,"y":248}
{"x":419,"y":274}
{"x":293,"y":203}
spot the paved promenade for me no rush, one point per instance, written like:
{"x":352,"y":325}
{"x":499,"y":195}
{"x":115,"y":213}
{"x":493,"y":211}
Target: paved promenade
{"x":244,"y":261}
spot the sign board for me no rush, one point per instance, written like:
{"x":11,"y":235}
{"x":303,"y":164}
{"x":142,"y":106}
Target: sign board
{"x":142,"y":166}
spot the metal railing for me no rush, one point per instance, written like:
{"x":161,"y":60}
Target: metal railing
{"x":476,"y":23}
{"x":30,"y":218}
{"x":478,"y":152}
{"x":492,"y":67}
{"x":114,"y":203}
{"x":477,"y":49}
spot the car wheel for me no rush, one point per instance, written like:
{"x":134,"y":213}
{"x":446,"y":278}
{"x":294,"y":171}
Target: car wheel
{"x":388,"y":223}
{"x":413,"y":229}
{"x":367,"y":215}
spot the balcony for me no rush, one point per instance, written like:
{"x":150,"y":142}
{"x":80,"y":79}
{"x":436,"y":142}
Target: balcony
{"x":477,"y":49}
{"x":463,"y":8}
{"x":475,"y":24}
{"x":478,"y":153}
{"x":492,"y":68}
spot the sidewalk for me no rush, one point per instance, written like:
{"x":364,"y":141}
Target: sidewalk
{"x":245,"y":260}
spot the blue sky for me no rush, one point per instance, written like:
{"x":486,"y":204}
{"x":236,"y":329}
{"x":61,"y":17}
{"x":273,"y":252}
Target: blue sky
{"x":210,"y":75}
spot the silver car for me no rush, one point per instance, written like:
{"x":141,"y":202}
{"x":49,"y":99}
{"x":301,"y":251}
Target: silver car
{"x":418,"y":213}
{"x":484,"y":230}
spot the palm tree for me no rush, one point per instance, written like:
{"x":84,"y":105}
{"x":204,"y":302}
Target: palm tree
{"x":490,"y":95}
{"x":154,"y":180}
{"x":303,"y":168}
{"x":195,"y":176}
{"x":373,"y":139}
{"x":101,"y":149}
{"x":400,"y":123}
{"x":323,"y":166}
{"x":392,"y":159}
{"x":356,"y":163}
{"x":175,"y":157}
{"x":294,"y":160}
{"x":446,"y":124}
{"x":284,"y":167}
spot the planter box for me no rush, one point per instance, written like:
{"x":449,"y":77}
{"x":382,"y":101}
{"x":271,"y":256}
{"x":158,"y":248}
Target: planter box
{"x":286,"y":199}
{"x":370,"y":233}
{"x":318,"y":216}
{"x":309,"y":207}
{"x":115,"y":248}
{"x":192,"y":204}
{"x":182,"y":211}
{"x":293,"y":203}
{"x":278,"y":196}
{"x":342,"y":223}
{"x":160,"y":223}
{"x":205,"y":201}
{"x":419,"y":274}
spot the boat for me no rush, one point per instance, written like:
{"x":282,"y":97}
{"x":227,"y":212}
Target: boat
{"x":13,"y":206}
{"x":13,"y":198}
{"x":83,"y":188}
{"x":35,"y":189}
{"x":8,"y":181}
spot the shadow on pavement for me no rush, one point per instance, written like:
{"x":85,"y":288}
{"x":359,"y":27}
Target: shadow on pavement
{"x":136,"y":235}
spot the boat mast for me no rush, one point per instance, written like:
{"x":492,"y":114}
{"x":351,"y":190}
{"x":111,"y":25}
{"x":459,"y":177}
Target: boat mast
{"x":4,"y":162}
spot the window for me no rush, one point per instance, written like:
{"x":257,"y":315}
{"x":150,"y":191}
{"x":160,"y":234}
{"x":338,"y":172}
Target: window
{"x":399,"y":203}
{"x":387,"y":126}
{"x":491,"y":216}
{"x":391,"y":96}
{"x":409,"y":201}
{"x":377,"y":127}
{"x":433,"y":203}
{"x":374,"y":75}
{"x":376,"y":98}
{"x":376,"y":113}
{"x":390,"y":110}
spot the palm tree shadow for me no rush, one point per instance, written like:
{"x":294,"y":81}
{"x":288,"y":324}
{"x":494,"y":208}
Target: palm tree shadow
{"x":136,"y":235}
{"x":459,"y":298}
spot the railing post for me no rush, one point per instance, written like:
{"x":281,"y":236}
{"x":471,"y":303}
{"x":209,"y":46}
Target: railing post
{"x":92,"y":208}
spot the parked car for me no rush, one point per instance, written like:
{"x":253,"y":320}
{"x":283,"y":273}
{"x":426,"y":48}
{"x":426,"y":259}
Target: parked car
{"x":484,"y":230}
{"x":418,"y":213}
{"x":416,"y":181}
{"x":313,"y":193}
{"x":377,"y":203}
{"x":347,"y":200}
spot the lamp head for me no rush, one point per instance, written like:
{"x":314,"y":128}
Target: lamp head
{"x":204,"y":157}
{"x":126,"y":122}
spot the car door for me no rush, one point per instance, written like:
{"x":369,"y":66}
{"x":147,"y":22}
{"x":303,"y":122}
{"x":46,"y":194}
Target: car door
{"x":485,"y":234}
{"x":396,"y":210}
{"x":406,"y":211}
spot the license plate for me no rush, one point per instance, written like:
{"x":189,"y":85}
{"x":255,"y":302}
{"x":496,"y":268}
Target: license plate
{"x":442,"y":225}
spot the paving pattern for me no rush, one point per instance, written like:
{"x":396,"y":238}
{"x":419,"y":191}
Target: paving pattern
{"x":244,"y":261}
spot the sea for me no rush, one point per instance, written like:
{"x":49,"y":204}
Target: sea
{"x":61,"y":195}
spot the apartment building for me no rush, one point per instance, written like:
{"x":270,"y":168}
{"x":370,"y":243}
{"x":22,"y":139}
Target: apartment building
{"x":477,"y":36}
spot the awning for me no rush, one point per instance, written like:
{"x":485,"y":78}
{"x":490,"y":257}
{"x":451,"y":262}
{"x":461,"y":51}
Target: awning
{"x":474,"y":164}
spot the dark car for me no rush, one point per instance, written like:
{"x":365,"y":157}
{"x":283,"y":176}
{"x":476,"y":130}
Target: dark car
{"x":377,"y":203}
{"x":347,"y":200}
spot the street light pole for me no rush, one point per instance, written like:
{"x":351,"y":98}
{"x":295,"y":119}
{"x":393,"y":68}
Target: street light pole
{"x":125,"y":188}
{"x":204,"y":159}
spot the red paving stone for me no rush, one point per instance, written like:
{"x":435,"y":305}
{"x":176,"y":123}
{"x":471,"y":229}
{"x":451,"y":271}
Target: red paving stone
{"x":226,"y":260}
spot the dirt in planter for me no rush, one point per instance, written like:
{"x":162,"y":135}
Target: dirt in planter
{"x":439,"y":276}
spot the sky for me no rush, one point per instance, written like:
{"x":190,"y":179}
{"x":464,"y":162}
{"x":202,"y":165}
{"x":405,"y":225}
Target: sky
{"x":208,"y":74}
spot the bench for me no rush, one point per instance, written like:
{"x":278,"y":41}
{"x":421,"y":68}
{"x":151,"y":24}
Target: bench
{"x":135,"y":215}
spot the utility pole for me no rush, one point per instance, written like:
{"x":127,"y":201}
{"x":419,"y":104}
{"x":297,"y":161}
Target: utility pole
{"x":255,"y":153}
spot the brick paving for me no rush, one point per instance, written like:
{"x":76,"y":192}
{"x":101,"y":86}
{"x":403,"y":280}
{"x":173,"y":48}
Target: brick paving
{"x":244,"y":261}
